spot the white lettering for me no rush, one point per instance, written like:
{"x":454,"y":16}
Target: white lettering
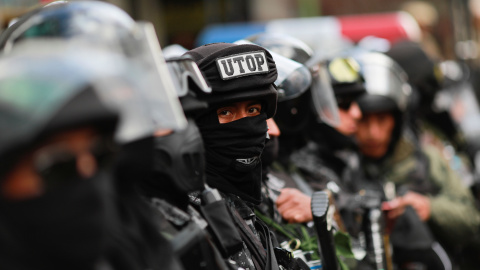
{"x":244,"y":64}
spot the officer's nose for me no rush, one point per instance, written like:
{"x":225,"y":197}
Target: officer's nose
{"x":86,"y":164}
{"x":375,"y":129}
{"x":354,"y":111}
{"x":273,"y":129}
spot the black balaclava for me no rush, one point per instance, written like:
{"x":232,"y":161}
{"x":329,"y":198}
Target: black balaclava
{"x":233,"y":154}
{"x":134,"y":164}
{"x":270,"y":152}
{"x":269,"y":155}
{"x":233,"y":150}
{"x":179,"y":166}
{"x":65,"y":227}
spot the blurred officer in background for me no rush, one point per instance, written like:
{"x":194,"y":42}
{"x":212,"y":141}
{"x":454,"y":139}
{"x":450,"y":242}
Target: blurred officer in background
{"x":304,"y":98}
{"x":134,"y":242}
{"x":333,"y":147}
{"x":304,"y":101}
{"x":433,"y":125}
{"x":330,"y":160}
{"x":328,"y":155}
{"x":57,"y":192}
{"x":427,"y":202}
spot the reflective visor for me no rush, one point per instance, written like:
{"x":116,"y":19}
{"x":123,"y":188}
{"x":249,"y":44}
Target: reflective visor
{"x":158,"y":86}
{"x":128,"y":83}
{"x":323,"y":97}
{"x":293,"y":78}
{"x":187,"y":76}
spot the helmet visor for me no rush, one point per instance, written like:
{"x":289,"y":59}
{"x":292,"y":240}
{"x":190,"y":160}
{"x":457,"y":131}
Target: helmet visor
{"x":157,"y":86}
{"x":126,"y":82}
{"x":384,"y":77}
{"x":293,"y":78}
{"x":187,"y":76}
{"x":323,"y":98}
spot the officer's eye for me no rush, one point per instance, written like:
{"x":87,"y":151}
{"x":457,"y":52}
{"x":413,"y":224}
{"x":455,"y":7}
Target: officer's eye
{"x":222,"y":112}
{"x":255,"y":109}
{"x":225,"y":112}
{"x":226,"y":115}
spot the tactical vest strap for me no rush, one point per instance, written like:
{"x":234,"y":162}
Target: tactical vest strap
{"x":223,"y":229}
{"x":268,"y":239}
{"x":259,"y":255}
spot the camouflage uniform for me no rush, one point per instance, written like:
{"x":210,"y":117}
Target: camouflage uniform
{"x":453,"y":219}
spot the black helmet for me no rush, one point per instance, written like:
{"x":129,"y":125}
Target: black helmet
{"x":96,"y":20}
{"x":424,"y":73}
{"x":387,"y":91}
{"x":386,"y":84}
{"x":341,"y":77}
{"x":293,"y":78}
{"x":284,"y":45}
{"x":237,"y":72}
{"x":295,"y":100}
{"x":346,"y":77}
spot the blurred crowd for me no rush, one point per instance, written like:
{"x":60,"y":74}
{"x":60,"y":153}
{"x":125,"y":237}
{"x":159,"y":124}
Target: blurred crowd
{"x":263,"y":153}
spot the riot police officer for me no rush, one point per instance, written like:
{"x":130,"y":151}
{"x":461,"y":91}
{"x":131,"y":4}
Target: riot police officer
{"x":57,"y":195}
{"x":431,"y":123}
{"x":421,"y":187}
{"x":134,"y":241}
{"x":234,"y":131}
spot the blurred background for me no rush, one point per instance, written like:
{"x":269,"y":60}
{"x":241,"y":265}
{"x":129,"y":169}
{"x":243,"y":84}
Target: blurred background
{"x":448,"y":31}
{"x":451,"y":24}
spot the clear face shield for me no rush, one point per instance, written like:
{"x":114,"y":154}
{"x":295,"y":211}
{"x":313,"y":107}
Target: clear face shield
{"x":323,"y":96}
{"x":137,"y":86}
{"x":293,"y":79}
{"x":35,"y":85}
{"x":158,"y":87}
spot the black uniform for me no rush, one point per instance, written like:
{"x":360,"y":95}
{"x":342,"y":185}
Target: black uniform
{"x":239,"y":73}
